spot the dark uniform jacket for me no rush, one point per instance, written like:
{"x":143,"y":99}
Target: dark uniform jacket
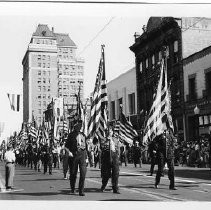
{"x":71,"y":143}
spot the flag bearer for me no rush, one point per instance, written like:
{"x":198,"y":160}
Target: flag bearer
{"x":110,"y":161}
{"x":76,"y":144}
{"x":165,"y":154}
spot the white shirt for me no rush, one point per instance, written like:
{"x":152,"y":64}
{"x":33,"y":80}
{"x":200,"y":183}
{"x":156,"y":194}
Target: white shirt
{"x":9,"y":156}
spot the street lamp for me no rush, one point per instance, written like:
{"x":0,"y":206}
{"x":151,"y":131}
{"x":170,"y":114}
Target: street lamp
{"x":196,"y":112}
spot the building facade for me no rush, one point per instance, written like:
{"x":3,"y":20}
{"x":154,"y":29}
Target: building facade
{"x":197,"y":87}
{"x":50,"y":69}
{"x":122,"y":92}
{"x":180,"y":38}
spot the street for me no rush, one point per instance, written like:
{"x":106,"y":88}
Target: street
{"x":193,"y":184}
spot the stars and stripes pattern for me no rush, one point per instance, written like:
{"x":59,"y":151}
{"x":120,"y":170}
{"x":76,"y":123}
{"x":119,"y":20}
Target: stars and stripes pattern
{"x":124,"y":130}
{"x":33,"y":131}
{"x":14,"y":101}
{"x":99,"y":116}
{"x":159,"y":113}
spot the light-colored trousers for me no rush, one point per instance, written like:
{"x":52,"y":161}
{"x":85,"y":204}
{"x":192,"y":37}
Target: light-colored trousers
{"x":10,"y":172}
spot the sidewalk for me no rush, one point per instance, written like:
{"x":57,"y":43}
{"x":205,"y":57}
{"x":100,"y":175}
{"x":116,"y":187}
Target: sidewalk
{"x":180,"y":171}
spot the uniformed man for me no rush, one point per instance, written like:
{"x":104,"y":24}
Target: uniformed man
{"x":165,"y":154}
{"x":76,"y":144}
{"x":110,"y":161}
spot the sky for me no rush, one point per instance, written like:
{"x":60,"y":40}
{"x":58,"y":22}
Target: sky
{"x":116,"y":23}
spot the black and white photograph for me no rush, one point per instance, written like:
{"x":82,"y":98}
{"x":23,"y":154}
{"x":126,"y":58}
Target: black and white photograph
{"x":105,"y":102}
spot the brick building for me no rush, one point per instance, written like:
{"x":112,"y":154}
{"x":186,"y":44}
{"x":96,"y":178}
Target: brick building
{"x":197,"y":93}
{"x":50,"y":69}
{"x":182,"y":37}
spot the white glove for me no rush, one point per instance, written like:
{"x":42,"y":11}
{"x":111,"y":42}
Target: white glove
{"x":70,"y":154}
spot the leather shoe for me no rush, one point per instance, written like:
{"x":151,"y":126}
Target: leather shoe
{"x":72,"y":191}
{"x":172,"y":188}
{"x":82,"y":194}
{"x":102,"y":189}
{"x":156,"y":186}
{"x":116,"y":191}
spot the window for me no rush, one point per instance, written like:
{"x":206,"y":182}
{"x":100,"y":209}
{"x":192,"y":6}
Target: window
{"x":39,"y":88}
{"x":112,"y":110}
{"x":119,"y":105}
{"x":39,"y":111}
{"x":39,"y":57}
{"x":39,"y":96}
{"x":44,"y":96}
{"x":159,"y":55}
{"x":131,"y":103}
{"x":176,"y":52}
{"x":48,"y":65}
{"x":141,"y":68}
{"x":44,"y":80}
{"x":208,"y":83}
{"x":44,"y":88}
{"x":153,"y":60}
{"x":39,"y":103}
{"x":39,"y":72}
{"x":39,"y":81}
{"x":147,"y":63}
{"x":192,"y":88}
{"x":43,"y":65}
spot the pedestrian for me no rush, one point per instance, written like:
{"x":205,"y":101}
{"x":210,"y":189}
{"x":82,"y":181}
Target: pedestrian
{"x":76,"y":144}
{"x":50,"y":158}
{"x":110,"y":161}
{"x":137,"y":154}
{"x":9,"y":158}
{"x":165,"y":154}
{"x":64,"y":153}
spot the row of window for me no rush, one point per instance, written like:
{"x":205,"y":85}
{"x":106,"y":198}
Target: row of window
{"x":44,"y":96}
{"x":151,"y":61}
{"x":204,"y":120}
{"x":44,"y":80}
{"x":44,"y":73}
{"x":43,"y":65}
{"x":43,"y":57}
{"x":65,"y":50}
{"x":131,"y":106}
{"x":192,"y":86}
{"x":44,"y":88}
{"x":44,"y":41}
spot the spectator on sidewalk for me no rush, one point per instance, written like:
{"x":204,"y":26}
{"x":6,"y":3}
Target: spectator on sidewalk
{"x":9,"y":167}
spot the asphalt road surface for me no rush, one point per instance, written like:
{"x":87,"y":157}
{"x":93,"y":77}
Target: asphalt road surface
{"x":193,"y":184}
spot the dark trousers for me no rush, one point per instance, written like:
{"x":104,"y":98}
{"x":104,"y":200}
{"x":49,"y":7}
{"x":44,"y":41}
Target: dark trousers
{"x":65,"y":165}
{"x":110,"y":168}
{"x":153,"y":163}
{"x":79,"y":160}
{"x":45,"y":166}
{"x":161,"y":163}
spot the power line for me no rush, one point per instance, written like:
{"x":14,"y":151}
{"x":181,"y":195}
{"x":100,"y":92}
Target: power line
{"x":90,"y":42}
{"x":193,"y":24}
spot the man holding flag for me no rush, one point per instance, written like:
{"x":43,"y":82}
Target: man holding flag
{"x":160,"y":127}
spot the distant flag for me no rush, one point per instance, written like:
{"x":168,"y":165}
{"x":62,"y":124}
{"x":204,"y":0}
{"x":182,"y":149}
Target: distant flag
{"x":98,"y":117}
{"x":33,"y":131}
{"x":125,"y":130}
{"x":14,"y":101}
{"x":159,"y":116}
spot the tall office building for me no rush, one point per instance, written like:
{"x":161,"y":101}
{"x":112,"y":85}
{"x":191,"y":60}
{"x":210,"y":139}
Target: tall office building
{"x":50,"y":69}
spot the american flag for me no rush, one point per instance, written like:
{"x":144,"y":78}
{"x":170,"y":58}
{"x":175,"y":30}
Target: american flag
{"x":124,"y":129}
{"x":159,"y":116}
{"x":14,"y":101}
{"x":98,"y":117}
{"x":33,"y":131}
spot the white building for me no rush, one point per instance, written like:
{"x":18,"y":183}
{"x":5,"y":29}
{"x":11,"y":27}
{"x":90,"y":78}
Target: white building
{"x":122,"y":91}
